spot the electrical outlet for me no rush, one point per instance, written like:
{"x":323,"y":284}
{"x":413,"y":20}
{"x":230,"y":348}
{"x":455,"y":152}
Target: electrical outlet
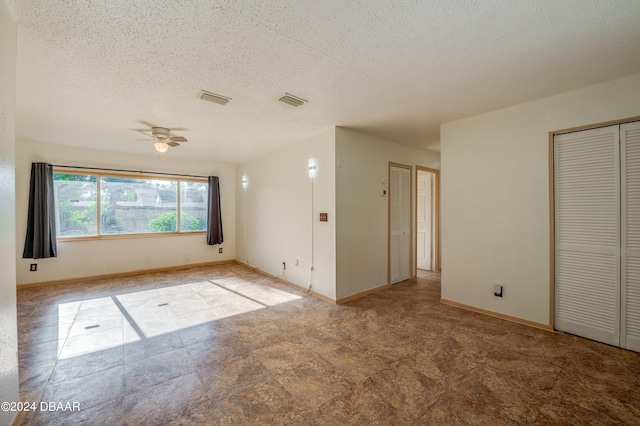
{"x":33,"y":267}
{"x":497,"y":290}
{"x":220,"y":250}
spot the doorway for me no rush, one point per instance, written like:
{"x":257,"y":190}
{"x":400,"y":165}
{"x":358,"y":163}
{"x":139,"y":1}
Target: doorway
{"x":427,"y":219}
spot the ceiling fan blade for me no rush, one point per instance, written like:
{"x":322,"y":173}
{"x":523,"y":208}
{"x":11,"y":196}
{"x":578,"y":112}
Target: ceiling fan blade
{"x":146,"y":140}
{"x":144,"y":132}
{"x":172,"y":143}
{"x":177,"y":139}
{"x":146,"y":124}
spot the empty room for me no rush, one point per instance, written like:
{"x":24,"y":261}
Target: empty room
{"x":310,"y":213}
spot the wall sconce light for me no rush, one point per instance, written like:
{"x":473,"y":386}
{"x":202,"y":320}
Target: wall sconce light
{"x":245,"y":181}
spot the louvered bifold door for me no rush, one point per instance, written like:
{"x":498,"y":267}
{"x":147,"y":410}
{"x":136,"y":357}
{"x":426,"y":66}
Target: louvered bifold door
{"x":399,"y":224}
{"x":587,"y":233}
{"x":394,"y":224}
{"x":630,"y":256}
{"x":405,"y":224}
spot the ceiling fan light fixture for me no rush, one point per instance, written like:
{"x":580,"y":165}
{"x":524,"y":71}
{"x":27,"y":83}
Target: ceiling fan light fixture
{"x":161,"y":137}
{"x":161,"y":146}
{"x":160,"y":132}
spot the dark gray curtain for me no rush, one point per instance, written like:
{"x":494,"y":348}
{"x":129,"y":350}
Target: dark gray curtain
{"x":214,"y":220}
{"x":41,"y":221}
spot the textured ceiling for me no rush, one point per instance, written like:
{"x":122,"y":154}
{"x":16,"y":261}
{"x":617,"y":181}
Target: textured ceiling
{"x":89,"y":71}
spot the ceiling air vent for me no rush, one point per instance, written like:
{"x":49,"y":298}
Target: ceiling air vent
{"x":212,"y":97}
{"x":292,"y":100}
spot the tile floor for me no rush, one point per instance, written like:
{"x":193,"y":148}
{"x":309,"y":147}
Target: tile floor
{"x":225,"y":345}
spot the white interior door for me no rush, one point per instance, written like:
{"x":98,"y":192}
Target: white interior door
{"x":587,"y":233}
{"x":399,"y":224}
{"x":630,"y":256}
{"x":424,"y":220}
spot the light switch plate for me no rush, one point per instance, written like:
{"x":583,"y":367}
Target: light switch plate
{"x":497,"y":290}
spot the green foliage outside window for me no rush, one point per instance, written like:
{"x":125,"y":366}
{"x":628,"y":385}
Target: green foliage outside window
{"x":80,"y":218}
{"x":76,"y":204}
{"x":167,"y":222}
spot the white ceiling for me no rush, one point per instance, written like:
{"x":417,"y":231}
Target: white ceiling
{"x":89,"y":71}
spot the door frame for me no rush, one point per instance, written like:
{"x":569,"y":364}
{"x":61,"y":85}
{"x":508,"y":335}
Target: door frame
{"x":435,"y":240}
{"x":412,"y":257}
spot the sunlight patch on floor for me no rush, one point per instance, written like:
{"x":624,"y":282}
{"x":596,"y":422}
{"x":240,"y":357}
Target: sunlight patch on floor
{"x":110,"y":321}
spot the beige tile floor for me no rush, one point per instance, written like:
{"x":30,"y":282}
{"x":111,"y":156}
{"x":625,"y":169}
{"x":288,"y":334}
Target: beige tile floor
{"x":225,"y":345}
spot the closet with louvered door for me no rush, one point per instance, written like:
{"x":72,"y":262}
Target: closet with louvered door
{"x":630,"y":256}
{"x":399,"y":224}
{"x":597,"y":234}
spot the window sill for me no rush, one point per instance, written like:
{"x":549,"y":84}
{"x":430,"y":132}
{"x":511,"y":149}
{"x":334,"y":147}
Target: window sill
{"x":128,"y":236}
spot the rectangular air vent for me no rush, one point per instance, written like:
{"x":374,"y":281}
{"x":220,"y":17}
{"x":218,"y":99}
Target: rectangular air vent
{"x":292,"y":100}
{"x":212,"y":97}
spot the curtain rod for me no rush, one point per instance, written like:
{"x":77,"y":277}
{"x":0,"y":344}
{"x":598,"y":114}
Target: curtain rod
{"x":128,"y":171}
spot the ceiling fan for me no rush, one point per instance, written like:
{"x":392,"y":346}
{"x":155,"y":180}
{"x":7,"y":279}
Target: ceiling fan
{"x":162,"y":136}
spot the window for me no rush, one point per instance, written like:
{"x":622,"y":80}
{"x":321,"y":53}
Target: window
{"x":76,"y":205}
{"x":193,"y":206}
{"x":128,"y":205}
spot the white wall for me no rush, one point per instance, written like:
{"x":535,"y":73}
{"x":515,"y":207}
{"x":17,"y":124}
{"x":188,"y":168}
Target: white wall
{"x":495,"y":196}
{"x":362,"y":162}
{"x":274,"y":216}
{"x":8,"y":318}
{"x":98,"y":257}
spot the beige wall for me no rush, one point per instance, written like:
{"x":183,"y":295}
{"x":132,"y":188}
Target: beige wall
{"x":8,"y":318}
{"x":98,"y":257}
{"x":274,"y":213}
{"x":362,"y":163}
{"x":351,"y":248}
{"x":495,"y":196}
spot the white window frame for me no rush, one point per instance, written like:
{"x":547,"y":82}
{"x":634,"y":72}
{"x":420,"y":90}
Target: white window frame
{"x":100,"y":174}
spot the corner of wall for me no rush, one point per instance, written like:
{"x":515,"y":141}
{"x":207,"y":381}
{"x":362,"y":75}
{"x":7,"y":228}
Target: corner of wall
{"x":362,"y":163}
{"x":9,"y":388}
{"x":495,"y":196}
{"x":278,"y":213}
{"x":76,"y":258}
